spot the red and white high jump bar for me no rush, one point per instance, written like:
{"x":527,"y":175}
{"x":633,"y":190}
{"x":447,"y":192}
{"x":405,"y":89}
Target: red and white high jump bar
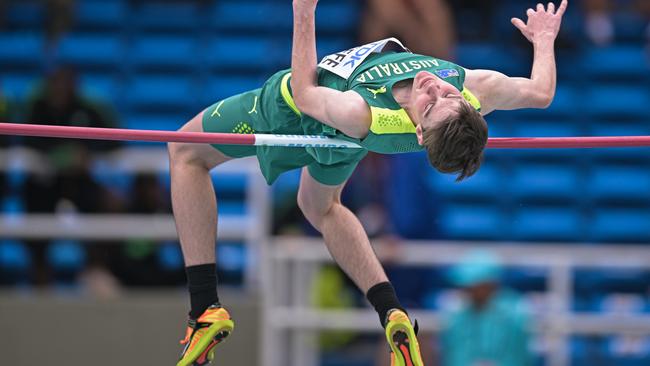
{"x":93,"y":133}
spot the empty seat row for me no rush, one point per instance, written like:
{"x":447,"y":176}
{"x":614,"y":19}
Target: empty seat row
{"x":543,"y":223}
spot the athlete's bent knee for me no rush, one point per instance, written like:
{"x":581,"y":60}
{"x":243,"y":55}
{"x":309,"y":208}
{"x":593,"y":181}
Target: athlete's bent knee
{"x":313,"y":210}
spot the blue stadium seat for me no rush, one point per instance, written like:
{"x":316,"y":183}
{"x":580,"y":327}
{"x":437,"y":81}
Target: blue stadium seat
{"x":548,"y":224}
{"x":230,"y":186}
{"x":533,"y":181}
{"x":170,"y":257}
{"x":66,"y":256}
{"x":12,"y":204}
{"x":564,"y":104}
{"x":627,"y":351}
{"x":164,"y":52}
{"x":527,"y":279}
{"x":100,"y":14}
{"x":619,"y":184}
{"x":616,"y":63}
{"x":630,"y":26}
{"x":231,"y":256}
{"x":410,"y":199}
{"x":617,"y":224}
{"x":586,"y":351}
{"x":242,"y":53}
{"x":338,"y":17}
{"x":178,"y":16}
{"x":21,"y":50}
{"x":616,"y":101}
{"x":545,"y":128}
{"x":92,"y":51}
{"x":18,"y":86}
{"x":486,"y":185}
{"x":14,"y":257}
{"x":622,"y":304}
{"x":329,"y":45}
{"x":613,"y":127}
{"x":596,"y":283}
{"x":270,"y":17}
{"x":25,"y":14}
{"x":156,"y":121}
{"x":164,"y":93}
{"x":104,"y":88}
{"x":490,"y":56}
{"x":223,"y":86}
{"x":232,"y":207}
{"x":467,"y":221}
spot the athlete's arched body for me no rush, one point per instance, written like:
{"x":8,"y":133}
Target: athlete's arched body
{"x":390,"y":102}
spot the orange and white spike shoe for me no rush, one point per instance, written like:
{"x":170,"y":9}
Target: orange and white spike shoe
{"x":203,"y":334}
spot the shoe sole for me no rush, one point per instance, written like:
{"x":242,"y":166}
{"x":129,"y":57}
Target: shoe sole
{"x":404,"y":344}
{"x":218,"y":331}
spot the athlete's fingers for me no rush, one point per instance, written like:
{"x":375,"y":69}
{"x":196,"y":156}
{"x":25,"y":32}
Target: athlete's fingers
{"x":551,"y":8}
{"x":562,"y":8}
{"x":530,"y":12}
{"x":540,"y":7}
{"x":519,"y":24}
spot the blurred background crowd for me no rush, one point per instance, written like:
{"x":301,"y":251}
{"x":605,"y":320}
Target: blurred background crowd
{"x":154,"y":64}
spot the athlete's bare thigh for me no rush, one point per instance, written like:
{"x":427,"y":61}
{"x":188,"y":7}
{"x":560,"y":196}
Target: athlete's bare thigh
{"x":196,"y":153}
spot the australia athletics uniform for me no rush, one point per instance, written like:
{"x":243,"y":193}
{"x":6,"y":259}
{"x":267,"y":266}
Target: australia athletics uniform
{"x":369,"y":70}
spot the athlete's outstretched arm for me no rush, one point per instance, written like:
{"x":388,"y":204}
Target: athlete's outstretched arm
{"x":345,"y":111}
{"x":499,"y":92}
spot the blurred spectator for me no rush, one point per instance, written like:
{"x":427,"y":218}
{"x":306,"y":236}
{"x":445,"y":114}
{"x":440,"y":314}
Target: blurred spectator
{"x":424,"y":26}
{"x":490,"y":326}
{"x":59,"y":17}
{"x":60,"y":102}
{"x":67,"y":186}
{"x":137,"y":263}
{"x":599,"y":26}
{"x":475,"y":19}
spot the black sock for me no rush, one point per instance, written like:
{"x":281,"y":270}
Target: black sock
{"x":202,"y":282}
{"x":383,"y":298}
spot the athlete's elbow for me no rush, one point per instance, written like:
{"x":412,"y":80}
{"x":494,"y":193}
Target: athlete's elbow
{"x":546,"y":100}
{"x":541,"y":100}
{"x":302,"y":98}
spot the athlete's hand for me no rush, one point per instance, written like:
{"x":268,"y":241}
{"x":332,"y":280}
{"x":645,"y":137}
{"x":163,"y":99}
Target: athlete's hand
{"x":543,"y":24}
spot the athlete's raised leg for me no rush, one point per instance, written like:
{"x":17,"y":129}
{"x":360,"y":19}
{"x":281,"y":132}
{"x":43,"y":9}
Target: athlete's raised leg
{"x":195,"y":211}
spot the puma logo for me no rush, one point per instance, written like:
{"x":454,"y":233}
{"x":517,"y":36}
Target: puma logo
{"x":374,"y":92}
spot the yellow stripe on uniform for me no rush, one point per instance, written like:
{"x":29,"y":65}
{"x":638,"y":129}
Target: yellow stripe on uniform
{"x":286,"y":95}
{"x":386,"y":120}
{"x":472,"y":99}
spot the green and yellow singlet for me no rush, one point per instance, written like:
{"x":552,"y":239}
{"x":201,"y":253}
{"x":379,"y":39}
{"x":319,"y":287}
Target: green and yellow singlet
{"x":391,"y":130}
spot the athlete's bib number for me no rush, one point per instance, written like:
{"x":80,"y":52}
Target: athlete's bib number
{"x":344,"y":63}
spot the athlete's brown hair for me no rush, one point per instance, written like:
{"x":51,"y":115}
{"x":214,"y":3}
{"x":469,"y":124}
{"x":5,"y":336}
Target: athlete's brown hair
{"x":456,"y":144}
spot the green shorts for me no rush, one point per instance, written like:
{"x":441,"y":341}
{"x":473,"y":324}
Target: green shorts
{"x":231,"y":116}
{"x":266,"y":110}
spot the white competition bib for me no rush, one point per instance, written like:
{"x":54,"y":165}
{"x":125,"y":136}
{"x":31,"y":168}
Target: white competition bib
{"x":344,"y":63}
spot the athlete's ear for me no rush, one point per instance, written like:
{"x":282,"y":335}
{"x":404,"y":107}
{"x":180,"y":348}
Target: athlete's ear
{"x":418,"y":133}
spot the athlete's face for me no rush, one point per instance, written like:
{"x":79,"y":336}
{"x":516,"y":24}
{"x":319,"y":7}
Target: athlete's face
{"x":432,"y":101}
